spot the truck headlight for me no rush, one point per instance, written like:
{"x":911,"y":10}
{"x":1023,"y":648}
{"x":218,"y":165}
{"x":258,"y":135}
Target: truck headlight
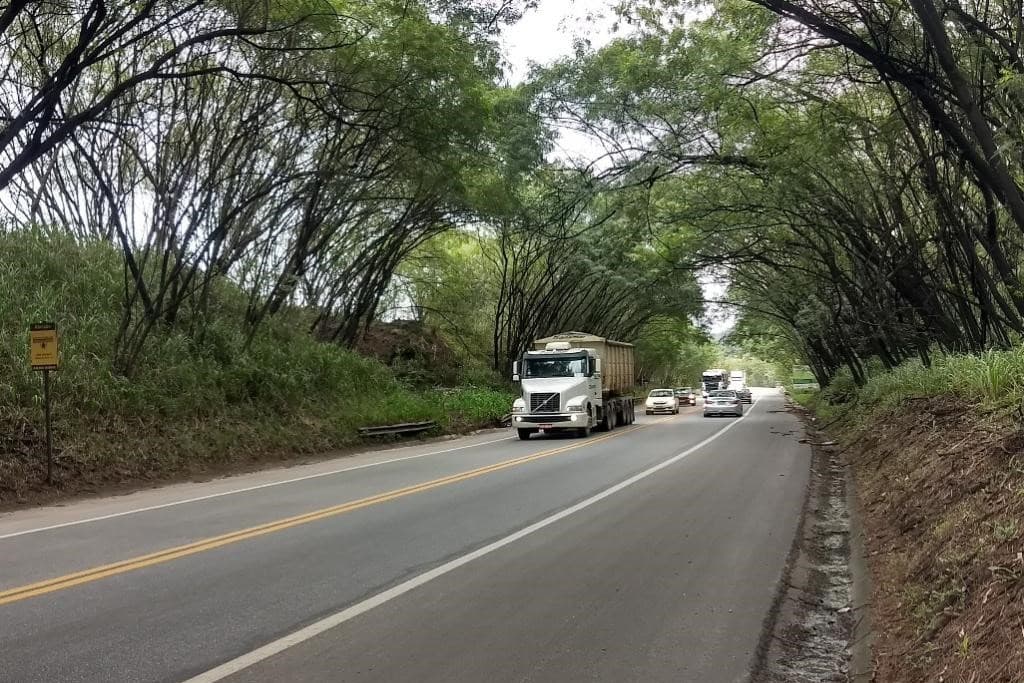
{"x":575,"y":408}
{"x":519,"y":406}
{"x":518,"y":409}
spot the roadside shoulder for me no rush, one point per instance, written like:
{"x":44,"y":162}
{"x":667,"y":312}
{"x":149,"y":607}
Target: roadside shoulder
{"x":809,"y":633}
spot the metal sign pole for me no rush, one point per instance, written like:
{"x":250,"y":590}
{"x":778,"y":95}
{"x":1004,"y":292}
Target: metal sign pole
{"x":49,"y":440}
{"x":43,"y":356}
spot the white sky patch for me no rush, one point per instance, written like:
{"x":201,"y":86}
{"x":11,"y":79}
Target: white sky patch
{"x":550,"y":31}
{"x":718,"y":318}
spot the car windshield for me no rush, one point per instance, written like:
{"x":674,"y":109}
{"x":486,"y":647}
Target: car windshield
{"x":556,"y":367}
{"x":659,"y":393}
{"x":722,"y":394}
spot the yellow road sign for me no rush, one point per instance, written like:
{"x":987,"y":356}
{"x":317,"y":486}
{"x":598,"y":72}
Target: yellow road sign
{"x":43,"y":346}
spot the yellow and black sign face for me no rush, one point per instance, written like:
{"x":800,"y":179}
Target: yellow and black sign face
{"x":43,"y":346}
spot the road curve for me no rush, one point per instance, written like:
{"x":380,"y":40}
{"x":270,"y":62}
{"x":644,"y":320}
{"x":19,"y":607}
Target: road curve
{"x":650,"y":553}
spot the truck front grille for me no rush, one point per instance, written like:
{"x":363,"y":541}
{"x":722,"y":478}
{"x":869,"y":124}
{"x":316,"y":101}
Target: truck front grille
{"x":544,"y":403}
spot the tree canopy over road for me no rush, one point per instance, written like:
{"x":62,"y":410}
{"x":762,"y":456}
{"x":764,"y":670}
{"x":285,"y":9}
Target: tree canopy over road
{"x":853,"y":172}
{"x":857,"y":168}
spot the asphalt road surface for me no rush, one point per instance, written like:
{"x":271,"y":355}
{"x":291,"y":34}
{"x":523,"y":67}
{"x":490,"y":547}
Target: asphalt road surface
{"x":651,"y":553}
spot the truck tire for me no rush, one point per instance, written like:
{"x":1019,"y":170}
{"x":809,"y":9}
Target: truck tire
{"x":524,"y":434}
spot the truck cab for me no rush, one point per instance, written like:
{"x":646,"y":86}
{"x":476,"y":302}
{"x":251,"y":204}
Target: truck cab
{"x":564,"y":388}
{"x":714,"y":379}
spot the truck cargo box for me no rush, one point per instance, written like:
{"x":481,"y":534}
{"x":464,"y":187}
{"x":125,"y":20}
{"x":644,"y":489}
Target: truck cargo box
{"x":616,"y":359}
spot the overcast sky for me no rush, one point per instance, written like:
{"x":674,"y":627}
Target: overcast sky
{"x":548,"y":32}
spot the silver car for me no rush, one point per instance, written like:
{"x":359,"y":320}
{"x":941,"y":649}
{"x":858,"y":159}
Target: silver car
{"x":723,"y":402}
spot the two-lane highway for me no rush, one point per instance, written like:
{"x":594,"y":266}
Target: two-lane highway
{"x":649,"y":553}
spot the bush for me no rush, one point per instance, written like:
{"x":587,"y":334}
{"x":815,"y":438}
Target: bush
{"x":842,"y":389}
{"x":994,"y":379}
{"x":193,"y":399}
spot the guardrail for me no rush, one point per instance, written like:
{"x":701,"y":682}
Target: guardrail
{"x":404,"y":428}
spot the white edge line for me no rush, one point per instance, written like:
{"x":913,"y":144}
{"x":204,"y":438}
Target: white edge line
{"x":275,"y":647}
{"x":221,"y":494}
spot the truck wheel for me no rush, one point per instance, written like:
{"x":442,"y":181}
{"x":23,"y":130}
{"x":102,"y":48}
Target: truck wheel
{"x":631,"y":410}
{"x":524,"y":434}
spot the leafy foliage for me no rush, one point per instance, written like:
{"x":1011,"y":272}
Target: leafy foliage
{"x":194,"y":403}
{"x":860,"y":187}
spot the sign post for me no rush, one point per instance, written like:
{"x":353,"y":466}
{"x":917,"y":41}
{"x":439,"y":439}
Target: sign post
{"x":43,"y":357}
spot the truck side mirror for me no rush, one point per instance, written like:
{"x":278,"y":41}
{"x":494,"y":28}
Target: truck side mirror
{"x":515,"y":371}
{"x":597,"y":366}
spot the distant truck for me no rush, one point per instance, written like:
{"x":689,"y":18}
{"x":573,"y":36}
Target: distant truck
{"x":713,"y":380}
{"x":574,"y":381}
{"x":737,"y":379}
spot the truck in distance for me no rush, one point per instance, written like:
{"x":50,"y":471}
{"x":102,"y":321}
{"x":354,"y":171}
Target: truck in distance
{"x":573,"y":381}
{"x":714,"y":379}
{"x":738,"y":383}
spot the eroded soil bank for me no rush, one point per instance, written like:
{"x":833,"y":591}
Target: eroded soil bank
{"x":941,"y":492}
{"x":942,"y":486}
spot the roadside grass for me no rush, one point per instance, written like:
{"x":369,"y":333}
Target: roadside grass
{"x":936,"y":454}
{"x":814,"y":401}
{"x":196,"y":401}
{"x":808,"y":398}
{"x":993,"y":381}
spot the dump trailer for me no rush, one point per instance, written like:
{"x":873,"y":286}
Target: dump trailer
{"x":574,"y":381}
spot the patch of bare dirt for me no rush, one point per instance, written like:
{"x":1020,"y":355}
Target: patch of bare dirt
{"x":942,"y":491}
{"x":412,"y":349}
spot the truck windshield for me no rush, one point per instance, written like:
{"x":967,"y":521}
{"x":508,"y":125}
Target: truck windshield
{"x":556,"y":367}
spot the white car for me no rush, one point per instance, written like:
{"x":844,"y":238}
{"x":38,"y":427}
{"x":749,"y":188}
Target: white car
{"x":723,"y":402}
{"x":662,"y":401}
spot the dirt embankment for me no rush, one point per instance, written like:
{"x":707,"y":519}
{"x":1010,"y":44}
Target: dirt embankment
{"x":941,"y":486}
{"x":116,"y":459}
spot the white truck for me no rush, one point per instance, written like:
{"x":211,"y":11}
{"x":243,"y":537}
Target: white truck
{"x":713,"y":380}
{"x":737,"y":379}
{"x":573,"y":381}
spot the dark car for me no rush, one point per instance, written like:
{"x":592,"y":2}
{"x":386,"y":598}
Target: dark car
{"x":745,"y":395}
{"x":686,"y":396}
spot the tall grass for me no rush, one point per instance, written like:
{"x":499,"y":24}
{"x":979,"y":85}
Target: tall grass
{"x":994,"y":379}
{"x":190,"y":400}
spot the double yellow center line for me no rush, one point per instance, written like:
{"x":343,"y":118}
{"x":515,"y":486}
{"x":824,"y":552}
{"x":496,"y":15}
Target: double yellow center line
{"x":101,"y":572}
